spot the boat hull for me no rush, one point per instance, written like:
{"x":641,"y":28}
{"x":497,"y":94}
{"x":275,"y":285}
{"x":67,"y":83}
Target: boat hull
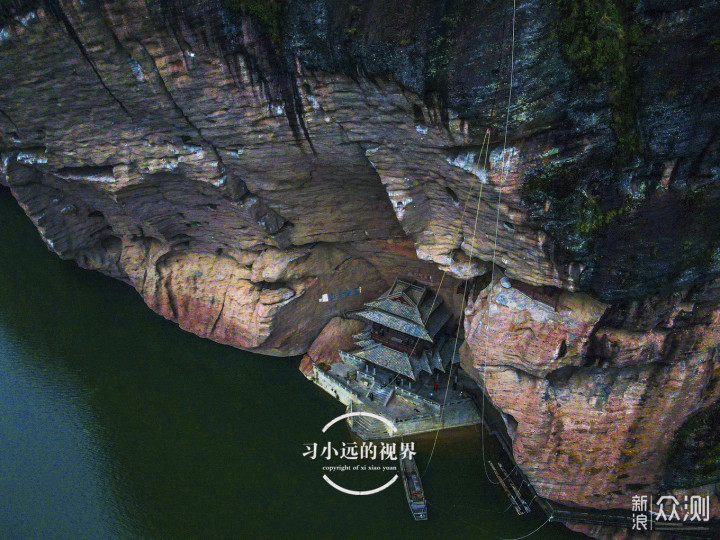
{"x":414,"y":492}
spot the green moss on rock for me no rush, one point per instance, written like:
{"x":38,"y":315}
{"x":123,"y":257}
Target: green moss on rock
{"x":601,"y":46}
{"x":267,"y":12}
{"x":695,"y":455}
{"x":555,"y":197}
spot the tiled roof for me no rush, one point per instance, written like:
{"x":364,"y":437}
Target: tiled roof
{"x":437,"y":320}
{"x":394,"y":322}
{"x":412,"y":291}
{"x":446,"y":352}
{"x":429,"y":304}
{"x":421,"y":364}
{"x":398,"y":307}
{"x":415,"y":292}
{"x":435,"y":360}
{"x":388,"y":358}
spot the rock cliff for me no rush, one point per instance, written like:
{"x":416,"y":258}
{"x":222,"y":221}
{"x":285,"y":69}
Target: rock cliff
{"x":234,"y":161}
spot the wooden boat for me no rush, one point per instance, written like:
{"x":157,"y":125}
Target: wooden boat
{"x":413,"y":488}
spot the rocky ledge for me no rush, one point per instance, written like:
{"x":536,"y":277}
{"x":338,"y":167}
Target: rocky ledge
{"x":235,"y":161}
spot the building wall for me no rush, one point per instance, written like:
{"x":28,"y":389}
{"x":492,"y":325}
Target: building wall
{"x":334,"y":387}
{"x":458,"y":414}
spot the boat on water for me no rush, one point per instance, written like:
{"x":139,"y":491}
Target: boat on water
{"x":413,"y":488}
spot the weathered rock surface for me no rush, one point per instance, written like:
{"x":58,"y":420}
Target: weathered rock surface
{"x":234,"y":168}
{"x":537,"y":335}
{"x":593,"y":421}
{"x":336,"y":336}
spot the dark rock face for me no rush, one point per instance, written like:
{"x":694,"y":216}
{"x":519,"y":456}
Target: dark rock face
{"x":694,"y":459}
{"x":234,"y":161}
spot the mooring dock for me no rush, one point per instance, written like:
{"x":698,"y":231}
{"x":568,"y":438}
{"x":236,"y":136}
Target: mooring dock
{"x":525,"y":499}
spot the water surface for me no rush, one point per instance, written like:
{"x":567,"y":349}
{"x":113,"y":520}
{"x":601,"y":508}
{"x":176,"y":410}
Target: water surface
{"x":114,"y":423}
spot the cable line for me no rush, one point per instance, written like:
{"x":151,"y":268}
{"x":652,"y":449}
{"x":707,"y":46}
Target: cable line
{"x":503,"y":177}
{"x":529,"y":534}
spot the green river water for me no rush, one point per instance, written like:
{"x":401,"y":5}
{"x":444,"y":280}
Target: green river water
{"x":114,"y":423}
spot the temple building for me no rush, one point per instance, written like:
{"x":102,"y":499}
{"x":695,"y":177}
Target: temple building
{"x":404,"y":366}
{"x":403,"y":336}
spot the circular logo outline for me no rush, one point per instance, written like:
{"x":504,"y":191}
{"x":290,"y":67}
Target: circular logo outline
{"x":392,"y":428}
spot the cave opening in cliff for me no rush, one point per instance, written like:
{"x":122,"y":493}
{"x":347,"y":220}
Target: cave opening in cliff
{"x":418,"y":114}
{"x":453,"y":195}
{"x":511,"y":424}
{"x":562,"y":349}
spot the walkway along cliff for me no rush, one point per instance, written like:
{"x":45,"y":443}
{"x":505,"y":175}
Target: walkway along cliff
{"x":235,"y":166}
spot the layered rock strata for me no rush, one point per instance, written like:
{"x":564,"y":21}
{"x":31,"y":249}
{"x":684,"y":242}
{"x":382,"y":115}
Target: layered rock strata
{"x":593,"y":395}
{"x":233,"y":166}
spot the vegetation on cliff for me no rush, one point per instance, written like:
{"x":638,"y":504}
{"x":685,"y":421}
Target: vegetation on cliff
{"x":603,"y":45}
{"x":267,"y":12}
{"x":695,"y":456}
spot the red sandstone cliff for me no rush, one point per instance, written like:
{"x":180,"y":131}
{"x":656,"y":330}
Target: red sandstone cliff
{"x":160,"y":143}
{"x":592,"y":394}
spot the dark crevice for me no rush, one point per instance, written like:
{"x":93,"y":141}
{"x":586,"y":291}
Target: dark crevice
{"x":58,"y":12}
{"x":562,"y":350}
{"x":232,"y":65}
{"x":418,"y":114}
{"x":219,"y":315}
{"x":298,"y":111}
{"x":452,"y":195}
{"x":9,"y":119}
{"x":561,"y":376}
{"x":171,"y":300}
{"x":179,"y":46}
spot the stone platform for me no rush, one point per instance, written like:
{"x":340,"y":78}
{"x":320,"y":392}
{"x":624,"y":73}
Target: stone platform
{"x":412,"y":411}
